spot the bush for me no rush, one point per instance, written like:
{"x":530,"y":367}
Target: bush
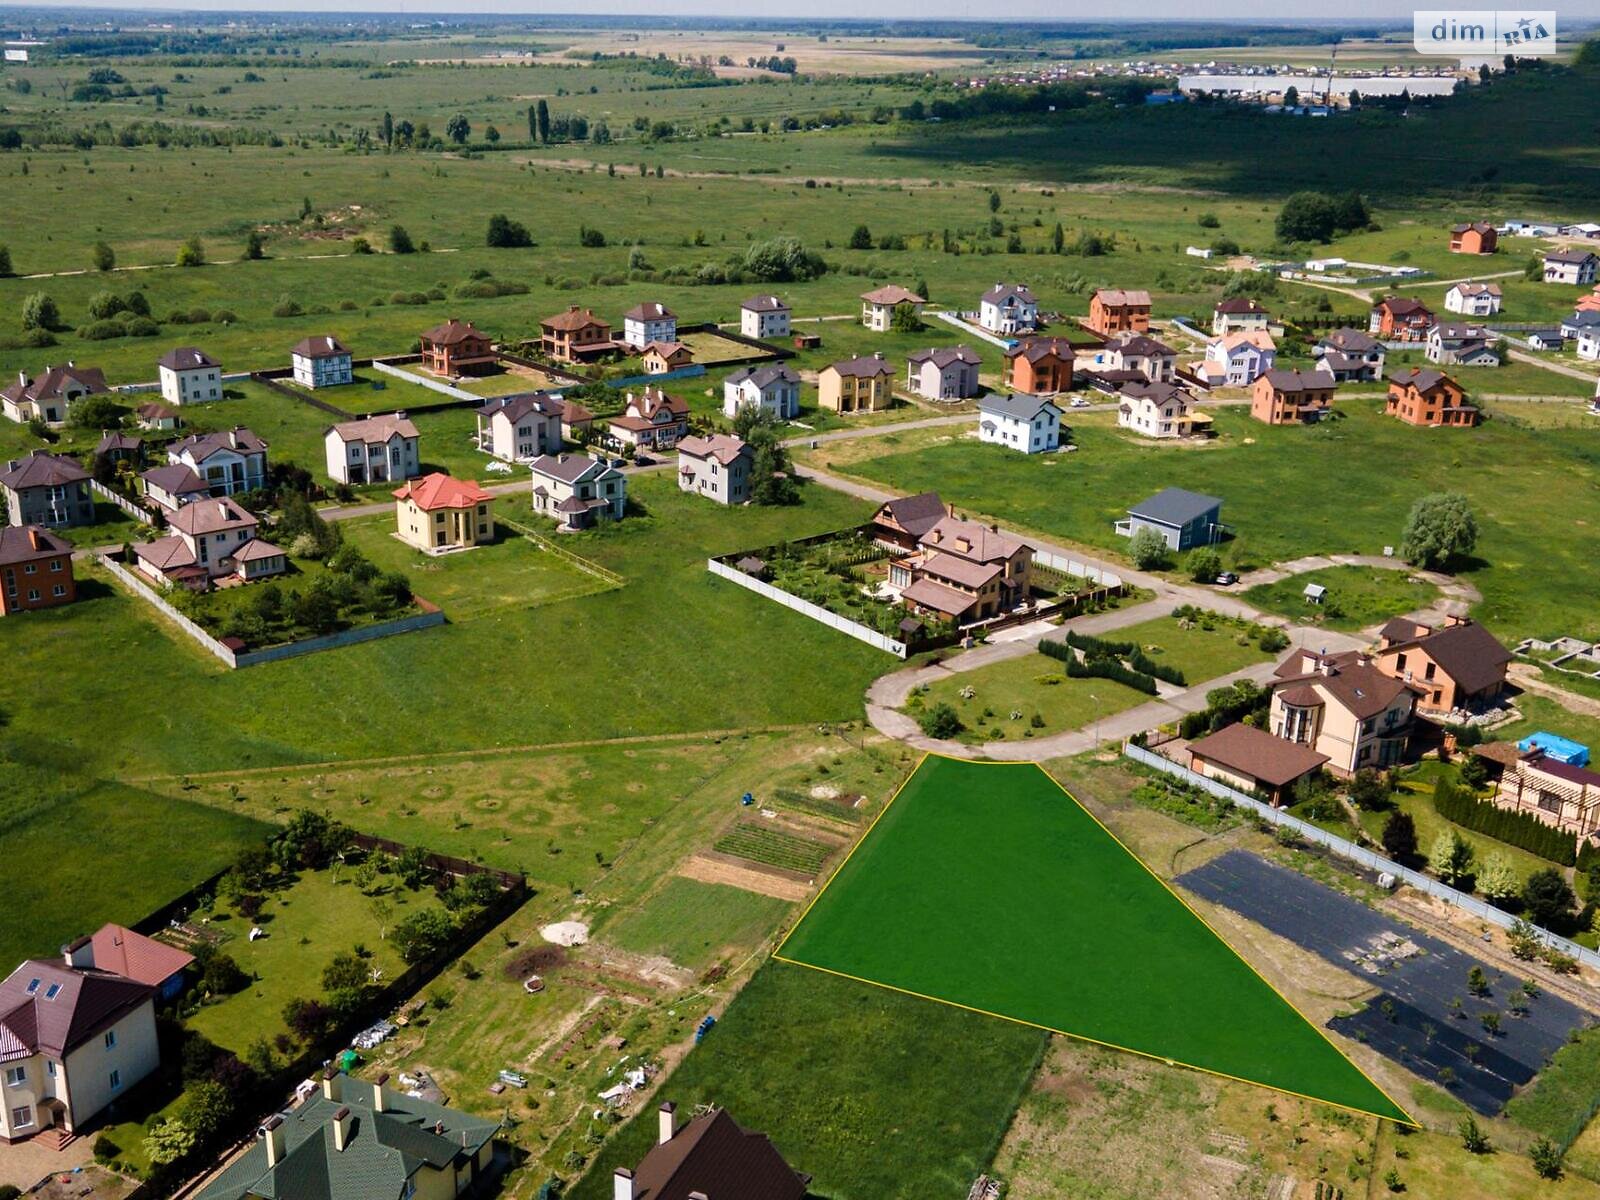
{"x":192,"y":253}
{"x":505,"y":233}
{"x":100,"y":331}
{"x":941,"y":721}
{"x":287,"y":306}
{"x":400,"y":241}
{"x":1147,"y":549}
{"x":141,"y":327}
{"x":39,"y":311}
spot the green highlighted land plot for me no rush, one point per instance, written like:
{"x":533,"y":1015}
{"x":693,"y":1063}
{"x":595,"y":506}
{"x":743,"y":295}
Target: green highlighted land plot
{"x":988,"y":886}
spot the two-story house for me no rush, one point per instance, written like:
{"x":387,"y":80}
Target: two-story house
{"x":1575,"y":267}
{"x":943,"y":374}
{"x":35,"y":569}
{"x":457,"y":348}
{"x":651,"y":420}
{"x":231,"y":461}
{"x":210,"y":539}
{"x":963,"y":571}
{"x":1119,"y":310}
{"x":662,"y":358}
{"x":373,"y":450}
{"x":189,"y":376}
{"x":1019,"y":421}
{"x":520,"y":428}
{"x":576,"y":335}
{"x":52,"y":394}
{"x":46,"y":489}
{"x":437,"y":514}
{"x":1155,"y":360}
{"x":1474,"y":237}
{"x":322,"y":361}
{"x":774,"y":388}
{"x":1456,"y":343}
{"x":1422,"y":396}
{"x":1283,"y":397}
{"x":1007,"y":309}
{"x":764,"y":317}
{"x":719,"y":467}
{"x":878,"y":305}
{"x":1342,"y":706}
{"x":1459,"y":666}
{"x":1350,"y":355}
{"x":576,"y":490}
{"x":172,"y":486}
{"x":1159,"y":410}
{"x":649,"y":322}
{"x":1041,"y":366}
{"x":1473,"y":299}
{"x":711,"y":1157}
{"x":1400,"y":319}
{"x":1239,"y":314}
{"x":1236,"y":359}
{"x":856,"y":385}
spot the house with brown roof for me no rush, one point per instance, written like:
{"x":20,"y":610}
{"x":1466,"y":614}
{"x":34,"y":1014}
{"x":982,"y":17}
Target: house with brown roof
{"x":649,"y":322}
{"x":576,"y":335}
{"x":1285,"y":397}
{"x":901,"y":523}
{"x":1008,"y":309}
{"x":1575,"y":267}
{"x":720,"y":467}
{"x":35,"y":569}
{"x":189,"y":376}
{"x":1400,"y":319}
{"x":1138,"y":353}
{"x":457,"y":348}
{"x":1239,"y":314}
{"x":1159,"y":410}
{"x":1557,"y":793}
{"x":764,"y":317}
{"x":1474,"y":237}
{"x":1119,"y":310}
{"x":378,"y":449}
{"x":710,"y":1158}
{"x":121,"y":951}
{"x":115,"y":446}
{"x":1459,"y":665}
{"x":321,"y":361}
{"x":1343,"y":707}
{"x":211,"y":539}
{"x":1422,"y":396}
{"x":658,"y":358}
{"x":520,"y":428}
{"x":230,"y":461}
{"x":437,"y":514}
{"x":49,"y":396}
{"x":157,"y":416}
{"x":1350,"y":354}
{"x":651,"y":420}
{"x":173,"y":486}
{"x":1253,"y":760}
{"x":963,"y":571}
{"x":1041,"y":366}
{"x":856,"y":385}
{"x":1460,"y":344}
{"x":950,"y":373}
{"x":878,"y":305}
{"x":74,"y":1038}
{"x":1473,"y":299}
{"x":576,"y":490}
{"x":46,"y":489}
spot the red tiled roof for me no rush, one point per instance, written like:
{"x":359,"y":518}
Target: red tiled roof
{"x":441,"y":491}
{"x":140,"y":958}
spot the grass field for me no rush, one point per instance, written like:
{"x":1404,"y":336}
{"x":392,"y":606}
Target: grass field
{"x":1046,"y":919}
{"x":1030,"y":684}
{"x":1201,"y":653}
{"x":1357,"y":597}
{"x":693,"y":923}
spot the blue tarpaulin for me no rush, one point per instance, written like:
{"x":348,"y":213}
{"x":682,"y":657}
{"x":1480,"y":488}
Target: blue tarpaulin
{"x":1574,"y":754}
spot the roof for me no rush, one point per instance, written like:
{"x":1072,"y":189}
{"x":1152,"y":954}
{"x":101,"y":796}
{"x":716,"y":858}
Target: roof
{"x":934,"y":595}
{"x":186,"y":358}
{"x":323,"y":345}
{"x":154,"y":410}
{"x":112,"y":441}
{"x":892,"y":293}
{"x":453,"y":332}
{"x":716,"y":1158}
{"x":52,"y":1008}
{"x":140,"y":958}
{"x":1019,"y":406}
{"x":42,"y":469}
{"x":1465,"y":651}
{"x":1238,"y":304}
{"x":863,"y":367}
{"x":176,"y":479}
{"x":915,"y":514}
{"x":1401,"y":306}
{"x":517,"y":406}
{"x":201,"y":446}
{"x":165,"y":553}
{"x":1001,"y":292}
{"x":1157,"y":393}
{"x":1036,"y":348}
{"x":439,"y":490}
{"x":211,"y":515}
{"x":24,"y":543}
{"x":942,"y":358}
{"x":1258,"y":339}
{"x":1351,"y":341}
{"x":764,"y":376}
{"x":375,"y":429}
{"x":382,"y":1151}
{"x":574,"y":318}
{"x":569,"y":468}
{"x":1297,"y":381}
{"x":1349,"y":677}
{"x":1139,"y":344}
{"x":257,"y":548}
{"x":983,"y":543}
{"x":652,"y":401}
{"x":959,"y":570}
{"x":1479,"y":226}
{"x":1477,"y":289}
{"x":1575,"y":257}
{"x":1121,"y":297}
{"x":1422,"y":378}
{"x":1175,"y":507}
{"x":54,"y":381}
{"x":650,"y":310}
{"x":724,"y":447}
{"x":764,"y":304}
{"x":1257,"y":754}
{"x":667,"y":349}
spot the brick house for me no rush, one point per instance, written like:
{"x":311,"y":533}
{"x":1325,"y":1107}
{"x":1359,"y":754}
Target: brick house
{"x":457,"y":348}
{"x":1040,"y":366}
{"x":47,"y":489}
{"x":576,"y":335}
{"x":1420,"y":396}
{"x":963,"y":571}
{"x":856,"y":385}
{"x":1400,"y":319}
{"x":1285,"y":397}
{"x":1475,"y":237}
{"x":1459,"y":666}
{"x":35,"y":569}
{"x":1117,"y":310}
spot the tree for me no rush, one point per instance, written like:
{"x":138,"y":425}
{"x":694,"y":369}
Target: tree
{"x":1058,"y":239}
{"x":1441,"y":528}
{"x":102,"y":257}
{"x":994,"y":200}
{"x":6,"y":270}
{"x":533,"y":124}
{"x":1497,"y":881}
{"x":1473,"y":1139}
{"x":400,"y":241}
{"x":458,"y":129}
{"x":1204,"y":565}
{"x":99,"y":411}
{"x":1400,"y":836}
{"x":344,"y":973}
{"x":1545,"y":1155}
{"x":308,"y":1020}
{"x":1305,"y":217}
{"x":167,"y":1142}
{"x":206,"y":1107}
{"x":860,"y":238}
{"x":542,"y":117}
{"x":781,"y":260}
{"x":772,"y":480}
{"x":1477,"y":981}
{"x":491,"y":134}
{"x":386,"y":129}
{"x":506,"y":233}
{"x":255,"y":246}
{"x":39,"y":311}
{"x":1147,"y":549}
{"x":423,"y":934}
{"x":1291,"y":95}
{"x":1548,"y":899}
{"x":1451,"y":857}
{"x":591,"y":238}
{"x":941,"y":721}
{"x":1369,"y":792}
{"x":192,"y":253}
{"x":309,"y":840}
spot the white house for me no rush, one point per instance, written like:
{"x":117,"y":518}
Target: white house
{"x":764,"y":317}
{"x":1235,"y":359}
{"x":576,"y":490}
{"x":1456,"y":343}
{"x":948,"y":374}
{"x":520,"y":428}
{"x":173,"y":486}
{"x":878,"y":305}
{"x":1155,"y":360}
{"x":1158,"y":410}
{"x":773,"y":388}
{"x":1008,"y":308}
{"x":321,"y":361}
{"x":189,"y":376}
{"x":1473,"y":299}
{"x":718,"y":467}
{"x":234,"y":460}
{"x":649,"y":322}
{"x":1571,"y":266}
{"x":210,"y":538}
{"x":1589,"y":344}
{"x":372,"y":450}
{"x":1349,"y":354}
{"x":51,"y":395}
{"x":1031,"y":424}
{"x":1238,"y":313}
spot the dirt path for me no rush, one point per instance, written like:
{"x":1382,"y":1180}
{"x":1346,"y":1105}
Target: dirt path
{"x":1529,"y":678}
{"x":708,"y":870}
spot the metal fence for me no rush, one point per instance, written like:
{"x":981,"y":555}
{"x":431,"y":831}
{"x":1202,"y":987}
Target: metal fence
{"x":1349,"y":850}
{"x":815,"y":611}
{"x":1072,"y":566}
{"x":971,"y":330}
{"x":436,"y":385}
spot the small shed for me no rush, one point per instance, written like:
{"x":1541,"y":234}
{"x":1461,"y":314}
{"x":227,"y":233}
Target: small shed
{"x":1315,"y":593}
{"x":807,"y":341}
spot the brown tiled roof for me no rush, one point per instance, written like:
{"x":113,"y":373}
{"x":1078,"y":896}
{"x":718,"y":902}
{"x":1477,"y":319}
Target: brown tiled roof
{"x":1351,"y":680}
{"x":934,"y":595}
{"x":1465,"y":651}
{"x":864,"y":367}
{"x":1123,"y":297}
{"x":54,"y":381}
{"x":1036,"y":348}
{"x":714,"y":1157}
{"x":186,"y":358}
{"x":572,"y":320}
{"x":1238,"y":304}
{"x":25,"y":543}
{"x":1351,"y":341}
{"x":1257,"y":754}
{"x":1424,"y":379}
{"x":724,"y":447}
{"x":211,"y":515}
{"x":1283,"y":380}
{"x":323,"y":345}
{"x":176,"y":479}
{"x":375,"y":429}
{"x":453,"y":332}
{"x":140,"y":958}
{"x":986,"y":544}
{"x":1480,"y":226}
{"x":650,"y":310}
{"x":1402,"y":306}
{"x":1157,"y":393}
{"x":892,"y":293}
{"x":42,"y":469}
{"x":82,"y":1004}
{"x":653,"y":400}
{"x":764,"y":304}
{"x":201,"y":446}
{"x":165,"y":553}
{"x":916,"y":514}
{"x":1140,"y":345}
{"x":960,"y":570}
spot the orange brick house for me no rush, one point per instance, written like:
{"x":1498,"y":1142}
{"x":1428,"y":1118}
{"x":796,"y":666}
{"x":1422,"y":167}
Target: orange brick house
{"x":1476,"y":237}
{"x":1281,"y":397}
{"x":1420,"y":396}
{"x":35,"y":569}
{"x":1040,"y":366}
{"x":1400,"y":319}
{"x":1114,"y":310}
{"x":576,"y":335}
{"x":1457,"y":665}
{"x":457,"y":348}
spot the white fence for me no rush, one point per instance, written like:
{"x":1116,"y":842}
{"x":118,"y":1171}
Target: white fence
{"x":971,"y":330}
{"x":136,"y":511}
{"x":454,"y":393}
{"x":816,"y":612}
{"x":1349,"y":850}
{"x":1071,"y":566}
{"x":138,"y":587}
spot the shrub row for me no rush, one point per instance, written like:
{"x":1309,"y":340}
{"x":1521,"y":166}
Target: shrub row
{"x":1130,"y":653}
{"x":1097,"y":664}
{"x":1504,"y":824}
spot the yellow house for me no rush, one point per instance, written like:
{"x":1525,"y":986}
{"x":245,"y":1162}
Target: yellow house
{"x":437,"y":514}
{"x":856,"y":385}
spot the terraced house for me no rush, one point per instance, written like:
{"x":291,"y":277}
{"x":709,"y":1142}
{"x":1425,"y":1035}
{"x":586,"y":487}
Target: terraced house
{"x":46,"y":489}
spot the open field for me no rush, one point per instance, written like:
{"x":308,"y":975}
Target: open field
{"x":692,"y":923}
{"x":1201,"y":653}
{"x":1357,"y":597}
{"x":1091,"y":946}
{"x":1032,"y":684}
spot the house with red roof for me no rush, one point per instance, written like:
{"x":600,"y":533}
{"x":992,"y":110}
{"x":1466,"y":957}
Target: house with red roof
{"x":438,"y":514}
{"x":120,"y":950}
{"x":457,"y":348}
{"x":652,"y":420}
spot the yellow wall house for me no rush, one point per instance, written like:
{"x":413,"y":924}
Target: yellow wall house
{"x":437,"y":514}
{"x":856,"y":385}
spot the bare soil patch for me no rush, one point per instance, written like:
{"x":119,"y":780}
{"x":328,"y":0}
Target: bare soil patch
{"x":708,"y":868}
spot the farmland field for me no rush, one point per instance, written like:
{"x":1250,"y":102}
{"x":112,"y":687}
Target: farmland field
{"x":772,"y":847}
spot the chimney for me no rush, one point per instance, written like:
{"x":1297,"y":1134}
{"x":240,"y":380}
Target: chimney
{"x":233,"y":437}
{"x":35,"y":538}
{"x":665,"y":1123}
{"x":341,"y":1128}
{"x":274,"y":1139}
{"x":79,"y":954}
{"x":377,"y":1091}
{"x":22,"y":379}
{"x":622,"y":1184}
{"x":332,"y":1085}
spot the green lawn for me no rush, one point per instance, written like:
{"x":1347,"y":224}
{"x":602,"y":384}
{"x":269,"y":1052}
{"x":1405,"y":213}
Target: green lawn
{"x":1561,"y":1100}
{"x":1357,"y":597}
{"x":988,"y":886}
{"x":875,"y":1094}
{"x":1200,"y":653}
{"x":1019,"y":684}
{"x":695,"y":923}
{"x":512,"y":572}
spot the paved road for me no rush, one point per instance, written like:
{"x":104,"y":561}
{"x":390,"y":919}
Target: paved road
{"x":1525,"y":356}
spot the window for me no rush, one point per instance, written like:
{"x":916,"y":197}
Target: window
{"x":116,"y":1081}
{"x":55,"y":564}
{"x":22,"y":1118}
{"x":51,"y":992}
{"x":16,"y":1076}
{"x":58,"y":591}
{"x":33,"y":594}
{"x":111,"y":1039}
{"x":31,"y":569}
{"x":33,"y":986}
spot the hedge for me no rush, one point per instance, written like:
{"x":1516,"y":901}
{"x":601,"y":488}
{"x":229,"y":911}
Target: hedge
{"x":1098,"y":665}
{"x":1128,"y":651}
{"x":1504,"y":824}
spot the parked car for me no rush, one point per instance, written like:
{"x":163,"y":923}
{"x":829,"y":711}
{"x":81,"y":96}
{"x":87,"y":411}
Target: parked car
{"x":1226,"y":578}
{"x":1078,"y":402}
